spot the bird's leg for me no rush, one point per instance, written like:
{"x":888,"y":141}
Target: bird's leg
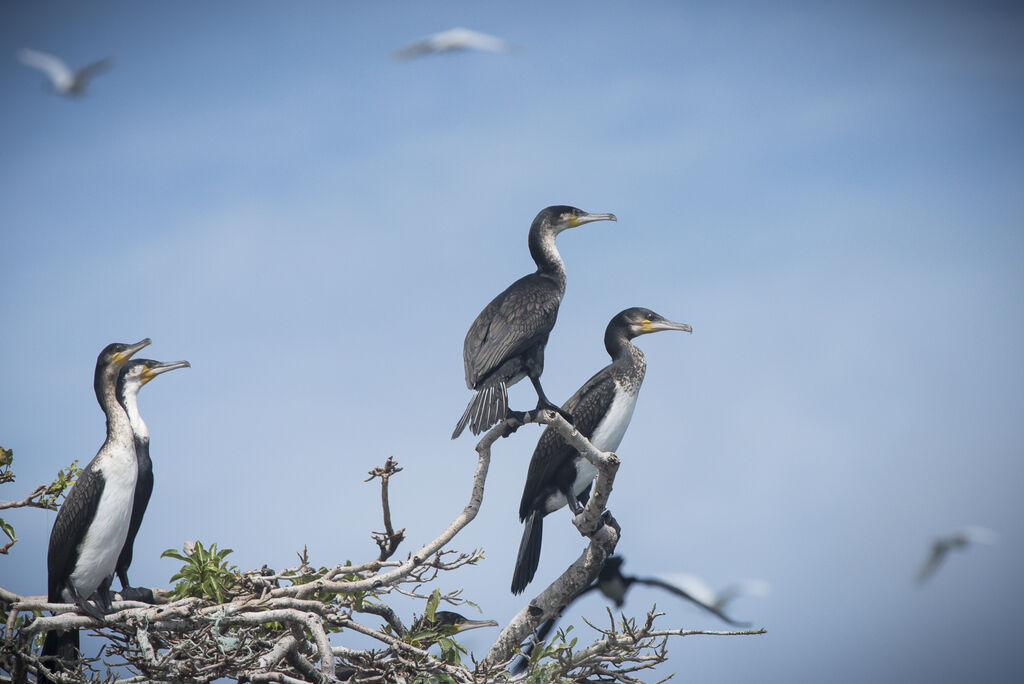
{"x":103,"y":595}
{"x":90,"y":609}
{"x":608,"y":519}
{"x":544,"y":403}
{"x":574,"y":503}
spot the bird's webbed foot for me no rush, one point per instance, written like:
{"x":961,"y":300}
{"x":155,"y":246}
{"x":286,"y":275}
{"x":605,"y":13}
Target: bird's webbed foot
{"x":513,"y":421}
{"x":547,"y":405}
{"x":608,"y":519}
{"x":90,"y":608}
{"x":141,"y":594}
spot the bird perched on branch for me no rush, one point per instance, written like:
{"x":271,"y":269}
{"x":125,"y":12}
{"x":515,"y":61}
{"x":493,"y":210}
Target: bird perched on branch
{"x":62,"y":79}
{"x":92,"y":524}
{"x":602,"y":408}
{"x":960,"y":539}
{"x":506,"y":341}
{"x":453,"y":40}
{"x":133,"y":376}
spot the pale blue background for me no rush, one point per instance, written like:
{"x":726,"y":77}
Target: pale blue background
{"x":832,"y":196}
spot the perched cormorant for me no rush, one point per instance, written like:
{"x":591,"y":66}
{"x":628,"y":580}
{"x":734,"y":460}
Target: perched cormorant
{"x":133,"y":376}
{"x":506,"y":341}
{"x":614,"y":585}
{"x":92,"y":524}
{"x":602,"y":409}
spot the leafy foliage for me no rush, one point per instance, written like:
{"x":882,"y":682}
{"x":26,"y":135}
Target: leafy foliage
{"x":44,"y":496}
{"x":205,"y":574}
{"x":58,"y":489}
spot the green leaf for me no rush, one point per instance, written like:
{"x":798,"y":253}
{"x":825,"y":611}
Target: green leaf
{"x":432,"y":603}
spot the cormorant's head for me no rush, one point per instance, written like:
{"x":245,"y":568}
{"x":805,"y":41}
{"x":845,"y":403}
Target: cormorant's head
{"x":137,"y":373}
{"x":640,"y":321}
{"x":109,"y":362}
{"x":561,"y":217}
{"x":118,"y":352}
{"x":449,"y":619}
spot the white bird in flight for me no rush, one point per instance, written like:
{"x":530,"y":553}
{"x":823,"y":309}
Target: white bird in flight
{"x":957,"y":540}
{"x":454,"y":40}
{"x":702,"y":591}
{"x":62,"y":78}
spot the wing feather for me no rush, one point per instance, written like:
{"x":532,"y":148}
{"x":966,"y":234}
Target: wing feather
{"x":70,"y":527}
{"x":510,"y":324}
{"x":587,"y":406}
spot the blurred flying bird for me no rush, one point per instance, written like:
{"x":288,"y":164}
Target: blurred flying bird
{"x":506,"y":341}
{"x":62,"y":79}
{"x":957,"y":540}
{"x":614,"y":585}
{"x":703,"y":593}
{"x":602,"y":408}
{"x":453,"y":40}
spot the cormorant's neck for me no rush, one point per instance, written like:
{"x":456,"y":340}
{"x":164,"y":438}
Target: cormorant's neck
{"x":117,"y":419}
{"x":542,"y":249}
{"x":626,"y":357}
{"x":130,"y":403}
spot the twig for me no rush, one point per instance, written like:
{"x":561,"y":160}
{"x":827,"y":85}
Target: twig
{"x":388,"y":540}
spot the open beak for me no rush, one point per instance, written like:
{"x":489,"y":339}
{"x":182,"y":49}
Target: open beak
{"x":121,"y":357}
{"x":590,"y":218}
{"x":658,"y":326}
{"x":159,"y":368}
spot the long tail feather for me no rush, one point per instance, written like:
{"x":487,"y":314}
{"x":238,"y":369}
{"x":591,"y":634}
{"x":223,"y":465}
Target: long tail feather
{"x":529,"y":552}
{"x":488,"y":406}
{"x":64,"y":646}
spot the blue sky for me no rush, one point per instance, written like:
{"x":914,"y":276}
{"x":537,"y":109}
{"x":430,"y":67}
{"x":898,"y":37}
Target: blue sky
{"x":829,"y":195}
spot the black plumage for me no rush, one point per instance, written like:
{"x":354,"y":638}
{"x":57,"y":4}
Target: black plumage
{"x":506,"y":341}
{"x":131,"y":379}
{"x":602,"y":409}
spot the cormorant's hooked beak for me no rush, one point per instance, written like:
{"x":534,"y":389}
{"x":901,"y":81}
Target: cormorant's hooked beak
{"x":466,"y":624}
{"x":590,"y":218}
{"x":159,"y":368}
{"x":649,"y":326}
{"x":130,"y":351}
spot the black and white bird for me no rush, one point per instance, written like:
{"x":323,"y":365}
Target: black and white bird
{"x":941,"y":547}
{"x":62,"y":79}
{"x":506,"y":341}
{"x":92,"y":524}
{"x":602,"y":409}
{"x":133,"y":376}
{"x":453,"y":40}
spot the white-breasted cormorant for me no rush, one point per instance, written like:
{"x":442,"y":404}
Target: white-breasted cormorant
{"x":506,"y":341}
{"x":602,"y":409}
{"x":131,"y":379}
{"x":92,"y":524}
